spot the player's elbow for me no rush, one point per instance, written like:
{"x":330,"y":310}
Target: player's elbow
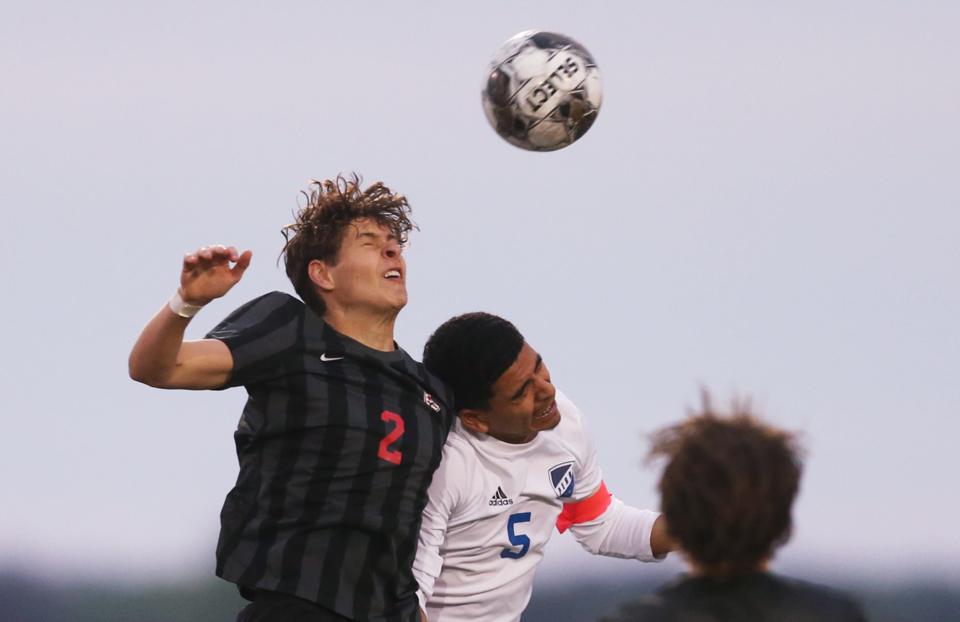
{"x":146,"y":374}
{"x":590,"y":545}
{"x":140,"y":375}
{"x":136,"y":371}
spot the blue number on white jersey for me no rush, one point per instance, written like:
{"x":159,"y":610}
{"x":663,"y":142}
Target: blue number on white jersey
{"x":516,"y":539}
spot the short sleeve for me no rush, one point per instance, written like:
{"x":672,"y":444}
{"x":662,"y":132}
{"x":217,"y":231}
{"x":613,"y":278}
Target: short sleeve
{"x":262,"y":336}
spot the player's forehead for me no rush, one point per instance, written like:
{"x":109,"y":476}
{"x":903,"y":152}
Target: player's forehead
{"x":522,"y":368}
{"x":369,"y":228}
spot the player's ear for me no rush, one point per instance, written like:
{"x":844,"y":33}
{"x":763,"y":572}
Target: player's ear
{"x":474,"y":420}
{"x":319,"y":272}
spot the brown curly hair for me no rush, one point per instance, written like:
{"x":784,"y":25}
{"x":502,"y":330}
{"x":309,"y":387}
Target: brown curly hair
{"x":318,"y":227}
{"x":728,"y":487}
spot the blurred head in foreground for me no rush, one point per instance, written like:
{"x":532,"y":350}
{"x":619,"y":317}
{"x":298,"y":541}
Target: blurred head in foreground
{"x":727,"y":491}
{"x":727,"y":488}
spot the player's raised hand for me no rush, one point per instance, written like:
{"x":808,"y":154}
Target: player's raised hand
{"x":210,"y":272}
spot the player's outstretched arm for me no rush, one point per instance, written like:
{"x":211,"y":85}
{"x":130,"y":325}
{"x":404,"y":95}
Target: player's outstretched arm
{"x":619,"y":531}
{"x":660,"y":541}
{"x":600,"y":522}
{"x":160,"y":357}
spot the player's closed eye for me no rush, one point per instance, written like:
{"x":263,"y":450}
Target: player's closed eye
{"x":521,"y":392}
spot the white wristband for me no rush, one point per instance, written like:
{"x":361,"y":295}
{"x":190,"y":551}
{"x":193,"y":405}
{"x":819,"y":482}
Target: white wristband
{"x":181,"y":308}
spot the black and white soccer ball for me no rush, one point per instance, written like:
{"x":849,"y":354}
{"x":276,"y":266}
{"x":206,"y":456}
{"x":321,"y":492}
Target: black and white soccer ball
{"x":542,"y":91}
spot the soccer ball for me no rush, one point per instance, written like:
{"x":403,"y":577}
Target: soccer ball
{"x":542,"y":91}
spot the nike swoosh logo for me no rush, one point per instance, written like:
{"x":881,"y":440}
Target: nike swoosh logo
{"x":327,"y":359}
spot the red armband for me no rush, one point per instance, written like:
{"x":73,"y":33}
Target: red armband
{"x":585,"y":510}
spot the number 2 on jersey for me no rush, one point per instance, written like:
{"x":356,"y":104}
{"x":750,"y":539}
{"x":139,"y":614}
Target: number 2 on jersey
{"x":385,"y":453}
{"x":517,"y":539}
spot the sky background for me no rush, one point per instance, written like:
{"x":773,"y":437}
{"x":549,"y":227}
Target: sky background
{"x":767,"y":205}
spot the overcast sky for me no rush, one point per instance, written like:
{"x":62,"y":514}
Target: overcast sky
{"x":767,"y":205}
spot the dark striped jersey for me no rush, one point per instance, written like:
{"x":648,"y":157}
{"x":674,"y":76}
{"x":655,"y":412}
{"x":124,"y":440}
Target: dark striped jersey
{"x":337,"y":445}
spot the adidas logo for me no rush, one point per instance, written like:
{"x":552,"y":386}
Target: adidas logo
{"x":499,"y":498}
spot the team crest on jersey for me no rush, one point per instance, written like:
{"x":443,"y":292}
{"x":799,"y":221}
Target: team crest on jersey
{"x":561,"y":477}
{"x":429,"y":401}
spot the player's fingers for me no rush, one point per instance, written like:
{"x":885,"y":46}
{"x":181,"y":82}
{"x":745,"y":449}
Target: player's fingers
{"x":221,"y":254}
{"x":243,"y":262}
{"x":213,"y":257}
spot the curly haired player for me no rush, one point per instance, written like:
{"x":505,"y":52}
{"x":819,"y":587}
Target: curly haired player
{"x":342,"y":429}
{"x":727,"y":491}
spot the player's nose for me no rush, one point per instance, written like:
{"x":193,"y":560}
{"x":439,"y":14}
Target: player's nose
{"x":544,"y":388}
{"x":392,"y":249}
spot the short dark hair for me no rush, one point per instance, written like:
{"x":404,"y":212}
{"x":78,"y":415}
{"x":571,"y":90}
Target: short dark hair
{"x":469,"y":352}
{"x":318,"y":227}
{"x":728,"y":487}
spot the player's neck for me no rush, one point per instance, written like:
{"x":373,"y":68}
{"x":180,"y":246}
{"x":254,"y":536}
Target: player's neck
{"x":374,"y":330}
{"x":722,"y":570}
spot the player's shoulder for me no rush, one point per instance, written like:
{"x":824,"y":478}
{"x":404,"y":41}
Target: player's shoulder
{"x":263,"y":312}
{"x":776,"y":596}
{"x":827,"y":603}
{"x":458,"y":448}
{"x":459,"y":471}
{"x":275,"y":300}
{"x":465,"y":453}
{"x":649,"y":609}
{"x":270,"y":304}
{"x":438,"y":390}
{"x":571,"y":418}
{"x":278,"y":297}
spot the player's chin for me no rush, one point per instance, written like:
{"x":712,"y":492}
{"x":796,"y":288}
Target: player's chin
{"x":398,"y":299}
{"x":548,"y":420}
{"x":549,"y":424}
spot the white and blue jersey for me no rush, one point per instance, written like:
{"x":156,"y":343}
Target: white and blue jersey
{"x":494,"y":505}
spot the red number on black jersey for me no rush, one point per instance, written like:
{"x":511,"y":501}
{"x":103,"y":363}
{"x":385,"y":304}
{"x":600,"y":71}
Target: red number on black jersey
{"x":391,"y":455}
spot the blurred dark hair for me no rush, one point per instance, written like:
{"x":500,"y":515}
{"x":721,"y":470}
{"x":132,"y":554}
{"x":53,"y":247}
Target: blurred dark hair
{"x":728,"y":487}
{"x":469,"y":352}
{"x":318,"y":227}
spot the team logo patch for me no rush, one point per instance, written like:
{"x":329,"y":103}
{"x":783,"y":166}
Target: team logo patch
{"x":429,"y":401}
{"x":561,"y":477}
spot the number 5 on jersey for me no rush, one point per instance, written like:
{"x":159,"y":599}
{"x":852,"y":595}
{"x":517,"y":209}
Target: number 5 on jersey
{"x":517,"y":539}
